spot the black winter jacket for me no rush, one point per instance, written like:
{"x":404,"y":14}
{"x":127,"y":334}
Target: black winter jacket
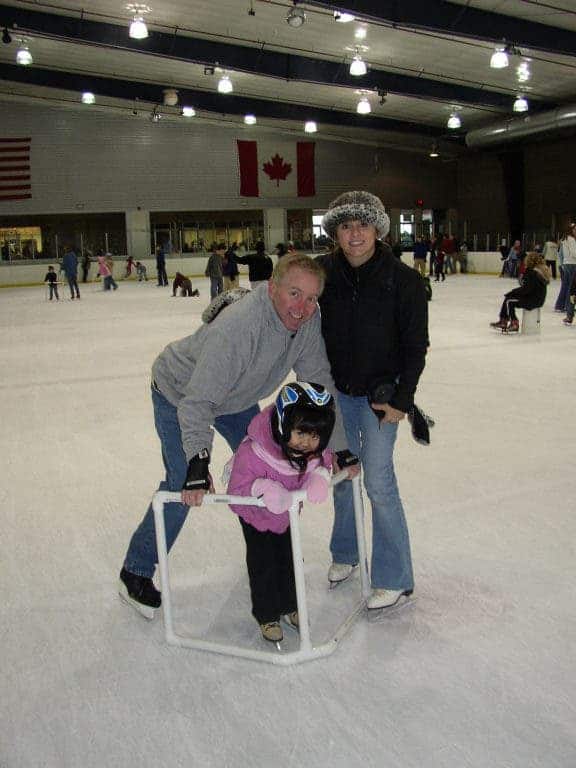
{"x":259,"y":267}
{"x":375,"y":324}
{"x":532,"y":293}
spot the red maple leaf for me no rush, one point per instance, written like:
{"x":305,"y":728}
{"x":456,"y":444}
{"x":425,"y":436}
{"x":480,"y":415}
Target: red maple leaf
{"x":277,"y":169}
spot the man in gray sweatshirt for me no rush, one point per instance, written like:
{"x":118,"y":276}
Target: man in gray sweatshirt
{"x":214,"y":379}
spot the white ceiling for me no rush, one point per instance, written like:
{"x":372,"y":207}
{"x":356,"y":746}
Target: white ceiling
{"x":417,"y":53}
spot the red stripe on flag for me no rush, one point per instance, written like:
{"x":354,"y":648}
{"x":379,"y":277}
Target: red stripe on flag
{"x":13,"y":178}
{"x":13,"y":167}
{"x":14,"y":150}
{"x":248,"y":162}
{"x":26,"y":140}
{"x":305,"y":165}
{"x":14,"y":197}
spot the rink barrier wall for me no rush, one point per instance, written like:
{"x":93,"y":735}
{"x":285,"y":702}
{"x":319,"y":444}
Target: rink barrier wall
{"x":14,"y":275}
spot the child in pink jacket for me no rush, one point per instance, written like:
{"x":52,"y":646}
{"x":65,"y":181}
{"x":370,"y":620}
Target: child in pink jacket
{"x":285,"y":450}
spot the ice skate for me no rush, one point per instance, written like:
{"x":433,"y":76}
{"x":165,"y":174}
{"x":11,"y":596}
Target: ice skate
{"x":384,"y":601}
{"x":513,"y":327}
{"x":272,"y":631}
{"x":338,"y":573}
{"x":139,"y":592}
{"x":500,"y":325}
{"x":291,"y":620}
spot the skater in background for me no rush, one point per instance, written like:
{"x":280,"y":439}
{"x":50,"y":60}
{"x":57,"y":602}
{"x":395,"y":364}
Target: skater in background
{"x":439,"y":265}
{"x":285,"y":450}
{"x":230,"y":270}
{"x":105,"y":273}
{"x":70,"y":269}
{"x":259,"y":265}
{"x":141,"y":272}
{"x":376,"y":339}
{"x":86,"y":262}
{"x":161,"y":266}
{"x":214,"y":379}
{"x":184,"y":284}
{"x":129,"y":265}
{"x":567,"y":260}
{"x":550,"y":254}
{"x":530,"y":295}
{"x":214,"y":270}
{"x":52,"y":280}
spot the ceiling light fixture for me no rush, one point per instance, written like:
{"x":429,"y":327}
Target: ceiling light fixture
{"x":225,"y":85}
{"x":454,"y":121}
{"x":521,"y":104}
{"x":499,"y":59}
{"x":358,"y":65}
{"x":434,"y":150}
{"x":88,"y":98}
{"x":155,"y":116}
{"x":310,"y":126}
{"x":138,"y":29}
{"x":360,"y":33}
{"x":23,"y":56}
{"x":6,"y":36}
{"x":343,"y":18}
{"x":188,"y":112}
{"x":250,"y":119}
{"x":296,"y":16}
{"x":363,"y":107}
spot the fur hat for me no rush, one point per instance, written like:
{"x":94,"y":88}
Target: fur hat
{"x":356,"y":206}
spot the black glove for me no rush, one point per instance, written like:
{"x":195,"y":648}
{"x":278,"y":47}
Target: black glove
{"x":381,"y":394}
{"x":198,"y":477}
{"x":346,"y":459}
{"x":420,"y":423}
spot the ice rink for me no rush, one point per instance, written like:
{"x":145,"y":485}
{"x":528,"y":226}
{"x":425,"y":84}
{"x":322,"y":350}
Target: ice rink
{"x":479,"y":671}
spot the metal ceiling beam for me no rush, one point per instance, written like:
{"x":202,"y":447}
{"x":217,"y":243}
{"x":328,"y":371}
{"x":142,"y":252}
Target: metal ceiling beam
{"x":459,"y":20}
{"x":257,"y":61}
{"x":151,"y":93}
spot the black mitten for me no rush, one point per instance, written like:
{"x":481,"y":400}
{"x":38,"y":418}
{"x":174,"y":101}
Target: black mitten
{"x":346,"y":459}
{"x":380,"y":394}
{"x":198,"y":477}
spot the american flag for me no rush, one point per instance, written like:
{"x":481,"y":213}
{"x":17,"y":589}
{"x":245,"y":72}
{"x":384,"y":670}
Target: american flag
{"x":15,"y":178}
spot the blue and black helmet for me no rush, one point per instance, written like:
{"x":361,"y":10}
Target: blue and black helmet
{"x":304,"y":406}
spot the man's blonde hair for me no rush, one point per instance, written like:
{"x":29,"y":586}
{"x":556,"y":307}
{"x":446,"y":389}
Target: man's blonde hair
{"x":298,"y":261}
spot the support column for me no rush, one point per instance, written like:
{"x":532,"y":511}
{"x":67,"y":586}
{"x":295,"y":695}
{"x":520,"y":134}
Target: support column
{"x":275,"y":227}
{"x":138,"y":234}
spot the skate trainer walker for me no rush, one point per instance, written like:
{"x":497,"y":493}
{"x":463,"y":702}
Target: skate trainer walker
{"x":306,"y":651}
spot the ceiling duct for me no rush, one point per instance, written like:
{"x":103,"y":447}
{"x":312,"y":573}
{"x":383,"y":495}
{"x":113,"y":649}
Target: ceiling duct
{"x":531,"y":125}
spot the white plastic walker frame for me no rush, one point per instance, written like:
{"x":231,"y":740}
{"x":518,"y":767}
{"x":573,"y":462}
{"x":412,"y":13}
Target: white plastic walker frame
{"x":306,"y":650}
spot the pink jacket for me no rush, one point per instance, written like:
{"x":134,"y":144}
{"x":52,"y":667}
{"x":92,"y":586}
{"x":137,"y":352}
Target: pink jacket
{"x":103,"y":269}
{"x":259,"y":456}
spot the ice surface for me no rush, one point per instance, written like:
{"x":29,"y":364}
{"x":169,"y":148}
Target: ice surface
{"x":479,"y":672}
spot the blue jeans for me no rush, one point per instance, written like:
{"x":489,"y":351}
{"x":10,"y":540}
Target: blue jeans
{"x":142,"y":555}
{"x":563,"y":299}
{"x":391,"y":566}
{"x":216,"y":286}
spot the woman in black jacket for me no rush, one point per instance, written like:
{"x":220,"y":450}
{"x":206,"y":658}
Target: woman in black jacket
{"x":530,"y":295}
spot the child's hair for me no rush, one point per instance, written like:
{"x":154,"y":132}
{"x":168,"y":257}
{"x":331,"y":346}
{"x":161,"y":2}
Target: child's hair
{"x":50,"y":267}
{"x":307,"y":407}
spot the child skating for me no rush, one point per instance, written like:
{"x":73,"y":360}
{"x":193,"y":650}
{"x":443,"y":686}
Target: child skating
{"x":285,"y":450}
{"x":52,"y":280}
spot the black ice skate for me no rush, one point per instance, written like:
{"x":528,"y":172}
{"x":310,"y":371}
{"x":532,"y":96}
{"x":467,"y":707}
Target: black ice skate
{"x":139,"y":592}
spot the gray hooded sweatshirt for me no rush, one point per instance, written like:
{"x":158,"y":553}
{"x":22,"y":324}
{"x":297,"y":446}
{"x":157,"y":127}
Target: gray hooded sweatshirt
{"x":240,"y":358}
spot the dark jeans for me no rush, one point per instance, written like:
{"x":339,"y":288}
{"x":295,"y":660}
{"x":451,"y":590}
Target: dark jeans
{"x":162,"y":276}
{"x":271,"y":573}
{"x":216,"y":286}
{"x":73,"y":285}
{"x":142,"y":555}
{"x":552,"y":265}
{"x":53,"y":290}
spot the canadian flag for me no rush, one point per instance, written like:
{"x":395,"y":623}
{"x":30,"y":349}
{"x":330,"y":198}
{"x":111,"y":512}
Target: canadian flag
{"x":273,"y":168}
